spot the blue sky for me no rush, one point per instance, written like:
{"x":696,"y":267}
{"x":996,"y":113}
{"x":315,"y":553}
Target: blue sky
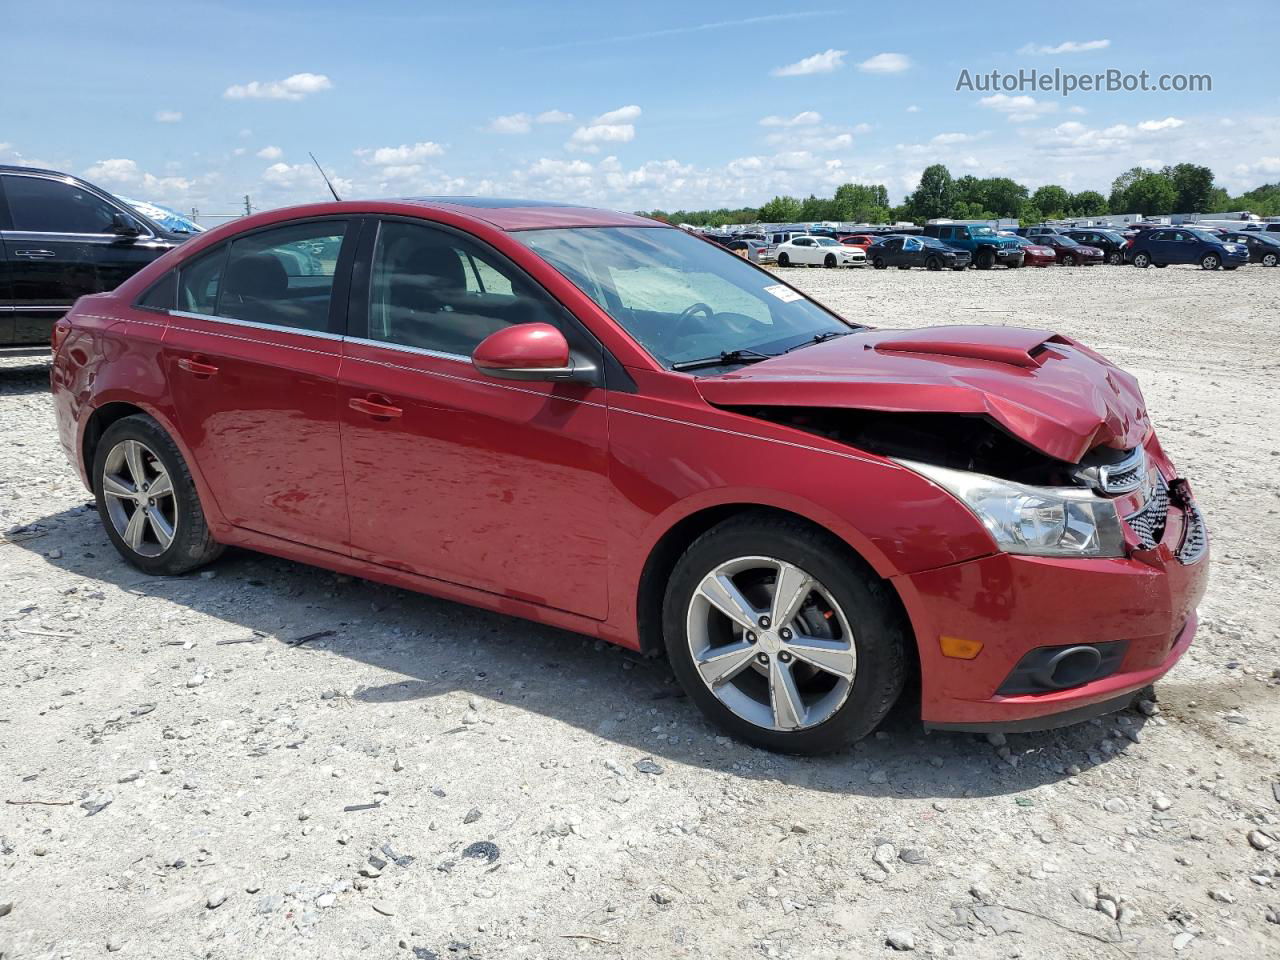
{"x":638,"y":105}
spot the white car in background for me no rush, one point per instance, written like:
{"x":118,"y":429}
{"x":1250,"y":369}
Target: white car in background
{"x":810,"y":251}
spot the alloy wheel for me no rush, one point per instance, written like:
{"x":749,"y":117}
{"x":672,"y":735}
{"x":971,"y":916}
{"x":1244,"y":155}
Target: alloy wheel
{"x":1270,"y":260}
{"x":771,"y":643}
{"x":1210,"y":262}
{"x":139,"y":498}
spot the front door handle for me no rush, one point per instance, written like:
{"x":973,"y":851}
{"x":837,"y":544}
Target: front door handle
{"x":34,"y":254}
{"x":197,"y":368}
{"x":376,"y":406}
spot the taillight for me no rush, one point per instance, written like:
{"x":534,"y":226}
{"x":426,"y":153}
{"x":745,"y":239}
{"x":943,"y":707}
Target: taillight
{"x":60,"y":331}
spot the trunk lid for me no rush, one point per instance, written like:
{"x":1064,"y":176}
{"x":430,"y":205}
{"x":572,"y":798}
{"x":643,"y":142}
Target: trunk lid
{"x":1048,"y":390}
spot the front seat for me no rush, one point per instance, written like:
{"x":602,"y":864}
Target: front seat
{"x":255,"y":289}
{"x":431,"y":306}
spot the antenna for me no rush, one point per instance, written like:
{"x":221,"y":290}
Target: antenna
{"x":327,"y":182}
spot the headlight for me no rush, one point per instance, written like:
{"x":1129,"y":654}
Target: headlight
{"x":1038,"y":521}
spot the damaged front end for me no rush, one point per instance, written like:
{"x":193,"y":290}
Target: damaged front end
{"x":1044,"y":441}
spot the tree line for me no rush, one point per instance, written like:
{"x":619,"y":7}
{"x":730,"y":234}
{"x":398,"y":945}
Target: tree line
{"x":1181,"y":188}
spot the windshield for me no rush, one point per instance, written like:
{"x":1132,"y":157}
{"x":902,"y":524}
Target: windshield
{"x":1204,"y":236}
{"x":981,"y":232}
{"x":679,"y":297}
{"x":827,"y":242}
{"x":1065,"y":241}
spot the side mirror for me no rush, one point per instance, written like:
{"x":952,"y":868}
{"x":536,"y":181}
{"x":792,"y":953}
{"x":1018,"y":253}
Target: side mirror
{"x":124,"y":226}
{"x":528,"y":351}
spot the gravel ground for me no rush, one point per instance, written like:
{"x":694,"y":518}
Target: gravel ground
{"x":426,"y":780}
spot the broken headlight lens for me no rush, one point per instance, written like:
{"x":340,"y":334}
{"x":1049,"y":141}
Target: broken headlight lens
{"x":1039,"y":521}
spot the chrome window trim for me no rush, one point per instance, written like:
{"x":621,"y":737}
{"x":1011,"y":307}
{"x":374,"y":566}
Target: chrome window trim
{"x":109,"y":201}
{"x":404,"y":348}
{"x":40,"y":308}
{"x":274,"y":327}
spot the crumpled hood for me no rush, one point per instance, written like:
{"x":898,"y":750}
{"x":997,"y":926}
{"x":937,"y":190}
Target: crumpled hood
{"x":1051,"y":392}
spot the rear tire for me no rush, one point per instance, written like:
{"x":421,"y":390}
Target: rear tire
{"x":165,"y":534}
{"x":784,"y":260}
{"x":1141,"y":260}
{"x":844,"y":591}
{"x":879,"y":263}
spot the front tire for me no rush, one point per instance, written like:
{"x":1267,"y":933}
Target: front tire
{"x":933,"y":263}
{"x":783,"y":637}
{"x":148,"y":501}
{"x":1068,"y":261}
{"x":986,"y":259}
{"x":1210,"y":261}
{"x":879,"y":263}
{"x":829,"y":261}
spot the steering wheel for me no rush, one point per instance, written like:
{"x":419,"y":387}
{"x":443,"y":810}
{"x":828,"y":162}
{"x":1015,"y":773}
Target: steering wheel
{"x":677,"y":330}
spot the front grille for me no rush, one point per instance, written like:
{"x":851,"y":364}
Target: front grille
{"x":1195,"y":537}
{"x":1148,"y":523}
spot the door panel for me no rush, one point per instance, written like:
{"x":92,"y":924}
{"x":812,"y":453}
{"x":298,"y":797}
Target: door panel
{"x":263,"y":425}
{"x":252,"y":361}
{"x":6,"y":300}
{"x":495,"y":486}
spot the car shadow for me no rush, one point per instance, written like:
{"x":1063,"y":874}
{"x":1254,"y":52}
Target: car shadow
{"x":437,"y":648}
{"x":24,"y":375}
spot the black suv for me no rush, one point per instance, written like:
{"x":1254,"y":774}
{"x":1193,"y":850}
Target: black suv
{"x":1110,"y":242}
{"x":61,"y":238}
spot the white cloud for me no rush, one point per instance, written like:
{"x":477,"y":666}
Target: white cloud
{"x":1168,"y":123}
{"x":294,"y":87}
{"x":1019,"y":109}
{"x":547,"y":168}
{"x":806,"y":119}
{"x":511,"y":123}
{"x":825,"y":62}
{"x":554,"y":116}
{"x":118,"y":170}
{"x":239,"y":152}
{"x":298,"y":176}
{"x":398,"y":156}
{"x":947,"y":139}
{"x":625,"y":114}
{"x":886,"y":63}
{"x":1078,"y":111}
{"x":1069,"y":46}
{"x":271,"y":153}
{"x":615,"y":126}
{"x":122,"y":172}
{"x":913,"y":109}
{"x":168,"y":116}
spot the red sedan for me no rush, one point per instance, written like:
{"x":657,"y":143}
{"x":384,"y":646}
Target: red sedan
{"x":863,"y":240}
{"x":1036,"y":254}
{"x":601,"y":423}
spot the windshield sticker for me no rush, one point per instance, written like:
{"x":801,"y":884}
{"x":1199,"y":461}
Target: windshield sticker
{"x":783,"y":293}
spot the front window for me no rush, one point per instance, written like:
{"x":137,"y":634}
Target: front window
{"x":40,"y":205}
{"x":826,"y":242}
{"x":682,"y":299}
{"x":981,"y":232}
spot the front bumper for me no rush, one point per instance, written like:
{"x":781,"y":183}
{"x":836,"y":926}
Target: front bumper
{"x":1016,"y":604}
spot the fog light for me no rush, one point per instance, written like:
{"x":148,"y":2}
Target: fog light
{"x":959,"y":648}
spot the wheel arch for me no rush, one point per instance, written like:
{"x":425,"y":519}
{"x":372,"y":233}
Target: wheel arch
{"x":671,"y":545}
{"x":112,"y":410}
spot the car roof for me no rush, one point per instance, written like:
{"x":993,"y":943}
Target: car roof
{"x":510,"y":214}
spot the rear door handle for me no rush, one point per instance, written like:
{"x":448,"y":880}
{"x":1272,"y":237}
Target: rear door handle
{"x":376,"y":406}
{"x":34,"y":254}
{"x":197,"y":367}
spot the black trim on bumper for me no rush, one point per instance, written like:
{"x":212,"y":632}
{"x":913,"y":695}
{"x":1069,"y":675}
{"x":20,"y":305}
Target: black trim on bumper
{"x":1050,"y":721}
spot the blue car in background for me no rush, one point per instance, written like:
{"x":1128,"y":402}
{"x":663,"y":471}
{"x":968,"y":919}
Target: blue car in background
{"x":171,"y":220}
{"x":1166,"y":245}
